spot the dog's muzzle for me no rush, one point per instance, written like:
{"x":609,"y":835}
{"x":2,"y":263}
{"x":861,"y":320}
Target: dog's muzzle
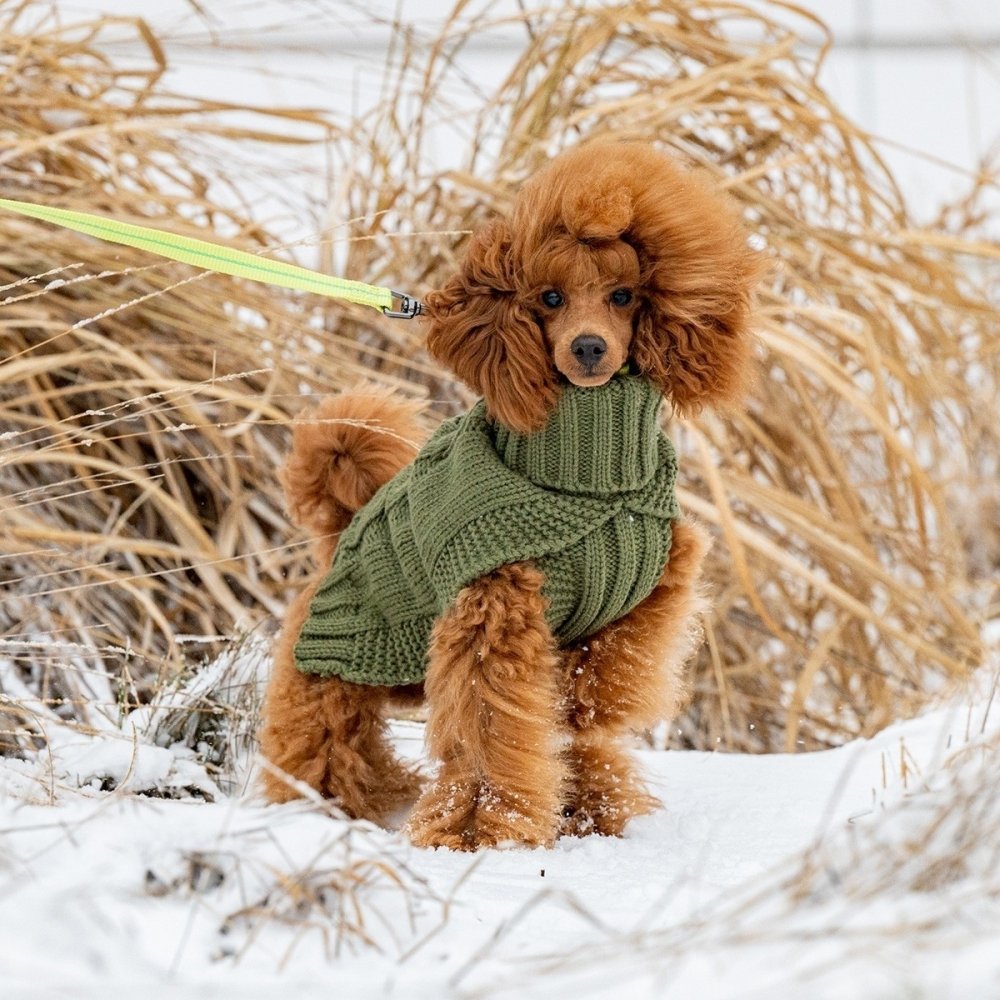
{"x":589,"y":350}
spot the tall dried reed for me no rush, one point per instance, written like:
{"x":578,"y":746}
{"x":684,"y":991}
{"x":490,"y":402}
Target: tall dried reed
{"x":143,"y":407}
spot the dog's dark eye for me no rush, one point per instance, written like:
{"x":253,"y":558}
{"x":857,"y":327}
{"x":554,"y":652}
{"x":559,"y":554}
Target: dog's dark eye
{"x":621,"y":297}
{"x":552,"y":298}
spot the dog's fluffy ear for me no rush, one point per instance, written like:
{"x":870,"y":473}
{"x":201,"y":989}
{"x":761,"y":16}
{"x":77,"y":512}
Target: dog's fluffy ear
{"x":480,"y":330}
{"x":698,"y":347}
{"x":693,"y":330}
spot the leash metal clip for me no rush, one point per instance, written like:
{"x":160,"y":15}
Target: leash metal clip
{"x":409,"y":307}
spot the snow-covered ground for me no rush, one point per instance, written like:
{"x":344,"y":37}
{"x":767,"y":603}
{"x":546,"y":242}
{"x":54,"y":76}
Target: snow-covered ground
{"x":872,"y":870}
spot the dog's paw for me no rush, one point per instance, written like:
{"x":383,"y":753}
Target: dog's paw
{"x":441,"y":815}
{"x":604,"y":794}
{"x":472,"y":817}
{"x":609,"y":820}
{"x":428,"y":837}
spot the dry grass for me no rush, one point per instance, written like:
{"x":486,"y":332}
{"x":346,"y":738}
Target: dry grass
{"x":143,"y":408}
{"x":350,"y":895}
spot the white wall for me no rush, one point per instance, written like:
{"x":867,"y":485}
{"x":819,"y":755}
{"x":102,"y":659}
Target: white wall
{"x":924,"y":74}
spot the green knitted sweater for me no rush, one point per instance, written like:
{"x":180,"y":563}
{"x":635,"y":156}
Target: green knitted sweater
{"x":589,"y":498}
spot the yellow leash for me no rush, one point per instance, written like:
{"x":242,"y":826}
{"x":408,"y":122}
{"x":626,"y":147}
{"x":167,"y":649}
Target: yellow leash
{"x":226,"y":260}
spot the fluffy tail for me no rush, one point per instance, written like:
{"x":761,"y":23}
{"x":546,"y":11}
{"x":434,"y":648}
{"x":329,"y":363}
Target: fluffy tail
{"x":342,"y":452}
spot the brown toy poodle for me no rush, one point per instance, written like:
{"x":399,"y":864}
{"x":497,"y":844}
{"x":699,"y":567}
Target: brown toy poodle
{"x":617,"y":271}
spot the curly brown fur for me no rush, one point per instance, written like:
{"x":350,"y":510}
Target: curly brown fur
{"x":323,"y":731}
{"x":651,"y":264}
{"x":625,"y":678}
{"x":331,"y":735}
{"x":494,"y":718}
{"x":604,"y":790}
{"x":342,"y":452}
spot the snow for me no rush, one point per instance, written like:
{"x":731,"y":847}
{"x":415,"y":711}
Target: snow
{"x":761,"y":874}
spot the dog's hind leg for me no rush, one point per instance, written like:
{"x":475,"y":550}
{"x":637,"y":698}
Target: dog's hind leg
{"x":625,"y":678}
{"x":494,"y":723}
{"x":322,"y":731}
{"x":331,"y":735}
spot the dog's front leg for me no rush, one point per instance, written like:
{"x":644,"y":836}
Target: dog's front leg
{"x":494,"y":723}
{"x":625,"y":678}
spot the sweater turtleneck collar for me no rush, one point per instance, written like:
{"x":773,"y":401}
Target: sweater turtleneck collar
{"x":598,"y":440}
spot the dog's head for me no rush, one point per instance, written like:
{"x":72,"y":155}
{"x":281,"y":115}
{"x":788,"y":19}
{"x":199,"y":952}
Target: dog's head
{"x":612,"y":255}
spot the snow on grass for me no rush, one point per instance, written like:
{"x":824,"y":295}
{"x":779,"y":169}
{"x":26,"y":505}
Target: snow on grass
{"x":140,"y":857}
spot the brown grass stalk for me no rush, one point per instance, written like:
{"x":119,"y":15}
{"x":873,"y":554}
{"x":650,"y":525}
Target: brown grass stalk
{"x":144,"y":410}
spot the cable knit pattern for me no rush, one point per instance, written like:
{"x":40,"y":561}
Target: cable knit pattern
{"x":590,"y":498}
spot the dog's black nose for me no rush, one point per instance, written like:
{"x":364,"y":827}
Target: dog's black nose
{"x":588,"y":349}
